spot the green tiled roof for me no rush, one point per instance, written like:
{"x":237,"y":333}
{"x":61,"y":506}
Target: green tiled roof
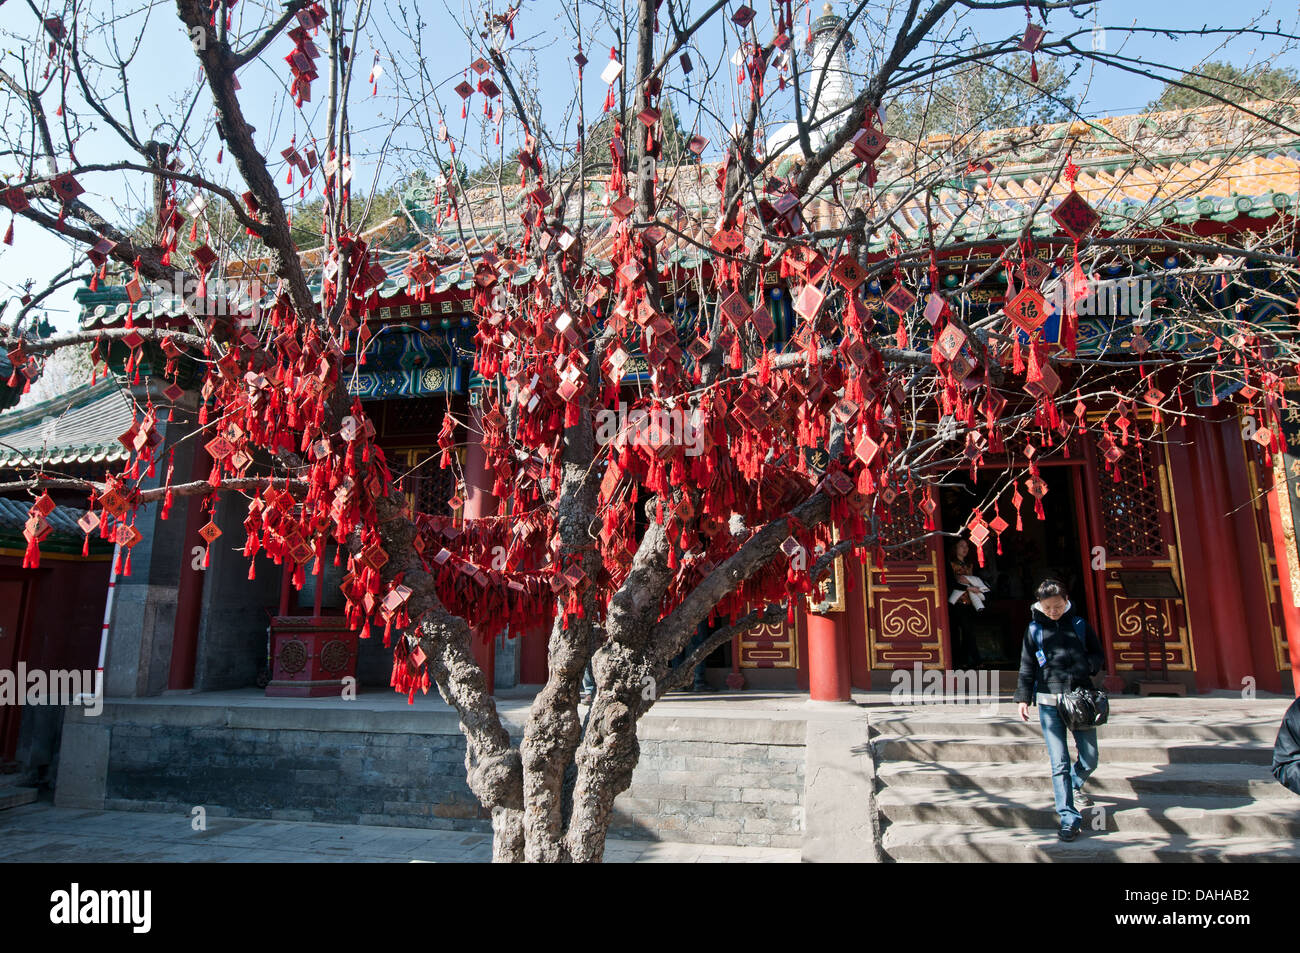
{"x":81,"y":426}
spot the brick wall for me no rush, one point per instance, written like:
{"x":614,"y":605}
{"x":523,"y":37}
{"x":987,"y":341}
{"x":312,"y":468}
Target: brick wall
{"x":701,"y":780}
{"x":715,"y":792}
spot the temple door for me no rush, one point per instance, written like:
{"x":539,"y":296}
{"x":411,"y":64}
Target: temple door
{"x":1131,"y":530}
{"x":12,"y":604}
{"x":906,"y":608}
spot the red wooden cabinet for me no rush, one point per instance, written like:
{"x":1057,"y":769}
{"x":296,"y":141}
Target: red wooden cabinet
{"x":311,"y":656}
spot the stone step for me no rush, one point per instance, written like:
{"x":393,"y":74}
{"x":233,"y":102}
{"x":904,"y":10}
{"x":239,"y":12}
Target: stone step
{"x":947,"y":750}
{"x":1149,"y":814}
{"x":13,"y":796}
{"x":1253,"y":781}
{"x":1263,"y":732}
{"x":966,"y":843}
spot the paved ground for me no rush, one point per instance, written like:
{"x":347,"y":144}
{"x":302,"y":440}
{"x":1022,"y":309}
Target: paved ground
{"x":43,"y":833}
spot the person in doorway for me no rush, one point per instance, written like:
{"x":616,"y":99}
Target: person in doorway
{"x":1060,"y":652}
{"x":1286,"y":750}
{"x":964,"y":602}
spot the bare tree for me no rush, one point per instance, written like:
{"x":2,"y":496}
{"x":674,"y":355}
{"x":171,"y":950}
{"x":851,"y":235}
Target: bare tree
{"x":628,"y":540}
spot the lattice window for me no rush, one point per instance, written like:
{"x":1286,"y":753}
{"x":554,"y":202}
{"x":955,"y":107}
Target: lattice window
{"x":413,"y":415}
{"x":427,"y":486}
{"x":1130,"y":512}
{"x":906,"y":527}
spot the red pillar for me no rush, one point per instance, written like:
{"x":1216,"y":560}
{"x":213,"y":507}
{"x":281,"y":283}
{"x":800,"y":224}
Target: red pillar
{"x":479,"y":502}
{"x":1255,"y":587}
{"x":828,"y":659}
{"x":1290,"y":612}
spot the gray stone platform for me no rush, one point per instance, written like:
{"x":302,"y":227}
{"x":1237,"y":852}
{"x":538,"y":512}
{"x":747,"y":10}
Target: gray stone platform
{"x":869,"y":780}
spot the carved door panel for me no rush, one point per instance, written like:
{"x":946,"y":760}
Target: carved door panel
{"x":13,"y":599}
{"x":1134,"y":523}
{"x":426,"y":486}
{"x":1263,"y":480}
{"x":769,"y":646}
{"x":906,"y":614}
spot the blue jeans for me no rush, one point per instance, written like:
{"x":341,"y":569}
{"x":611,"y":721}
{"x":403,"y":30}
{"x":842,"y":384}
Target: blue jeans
{"x":1067,"y":778}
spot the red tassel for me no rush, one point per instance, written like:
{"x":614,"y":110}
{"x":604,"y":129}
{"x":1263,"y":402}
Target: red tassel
{"x":9,"y":232}
{"x":32,"y":557}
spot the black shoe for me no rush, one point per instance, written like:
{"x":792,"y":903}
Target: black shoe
{"x":1068,"y":833}
{"x":1081,"y":799}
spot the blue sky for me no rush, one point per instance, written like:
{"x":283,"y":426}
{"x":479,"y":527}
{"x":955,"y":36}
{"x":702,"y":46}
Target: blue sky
{"x":166,"y":67}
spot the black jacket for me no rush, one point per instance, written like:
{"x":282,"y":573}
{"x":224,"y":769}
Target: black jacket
{"x":1286,"y":752}
{"x":1069,"y":663}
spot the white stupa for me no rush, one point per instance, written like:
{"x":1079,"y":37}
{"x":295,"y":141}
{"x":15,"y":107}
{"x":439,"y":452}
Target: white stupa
{"x":830,"y":69}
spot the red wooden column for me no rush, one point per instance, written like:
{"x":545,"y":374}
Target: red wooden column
{"x":1250,"y":571}
{"x":1290,"y":613}
{"x":828,"y":658}
{"x":479,"y":502}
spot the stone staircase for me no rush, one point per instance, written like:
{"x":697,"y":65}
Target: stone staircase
{"x":1189,"y":784}
{"x":11,"y":795}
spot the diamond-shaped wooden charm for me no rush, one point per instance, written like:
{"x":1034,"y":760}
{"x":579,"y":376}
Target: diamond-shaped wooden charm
{"x":1027,"y":310}
{"x":1076,"y":216}
{"x":868,"y":143}
{"x":1046,"y":385}
{"x":1139,"y":344}
{"x":302,"y":551}
{"x":210,"y":532}
{"x":998,"y":525}
{"x":219,"y":448}
{"x":464,"y":89}
{"x":743,"y":16}
{"x":857,"y":353}
{"x":809,"y":301}
{"x":848,"y":273}
{"x":1034,"y":270}
{"x":844,"y":410}
{"x":1033,"y":37}
{"x":866,"y":449}
{"x":899,"y":299}
{"x":89,"y":522}
{"x":762,"y":321}
{"x":36,"y":529}
{"x":933,"y":308}
{"x":735,"y":309}
{"x":791,"y":546}
{"x":979,"y":534}
{"x":1037,"y":487}
{"x":951,"y":341}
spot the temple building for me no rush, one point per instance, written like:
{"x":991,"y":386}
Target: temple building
{"x":1180,"y":550}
